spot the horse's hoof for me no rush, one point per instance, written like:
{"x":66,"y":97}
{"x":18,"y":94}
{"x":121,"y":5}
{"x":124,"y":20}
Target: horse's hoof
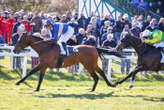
{"x":37,"y":90}
{"x":113,"y":85}
{"x":91,"y":90}
{"x":131,"y":86}
{"x":17,"y":83}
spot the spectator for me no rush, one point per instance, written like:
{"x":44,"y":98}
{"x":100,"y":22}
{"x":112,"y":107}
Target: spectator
{"x":104,"y":36}
{"x":135,"y":30}
{"x":125,"y":63}
{"x":18,"y":23}
{"x":82,"y":21}
{"x":161,"y":24}
{"x":105,"y":27}
{"x":2,"y":42}
{"x":80,"y":36}
{"x":89,"y":18}
{"x":135,"y":2}
{"x":109,"y":43}
{"x":73,"y":23}
{"x":68,"y":16}
{"x":151,"y":7}
{"x":118,"y":27}
{"x":36,"y":24}
{"x":15,"y":37}
{"x":146,"y":23}
{"x":90,"y":39}
{"x":75,"y":15}
{"x":140,"y":22}
{"x":158,"y":7}
{"x":64,"y":19}
{"x":143,"y":4}
{"x":153,"y":25}
{"x":126,"y":20}
{"x":107,"y":18}
{"x":10,"y":22}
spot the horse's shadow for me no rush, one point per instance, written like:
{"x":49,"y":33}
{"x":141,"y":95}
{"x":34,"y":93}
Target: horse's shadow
{"x":92,"y":96}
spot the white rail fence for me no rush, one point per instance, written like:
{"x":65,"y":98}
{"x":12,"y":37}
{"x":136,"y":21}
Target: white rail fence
{"x":30,"y":52}
{"x":9,"y":52}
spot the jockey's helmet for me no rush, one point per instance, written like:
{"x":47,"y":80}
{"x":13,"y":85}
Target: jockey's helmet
{"x":48,"y":22}
{"x":146,"y":33}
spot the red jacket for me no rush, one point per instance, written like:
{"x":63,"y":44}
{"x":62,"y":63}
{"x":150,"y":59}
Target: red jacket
{"x":0,"y":25}
{"x":3,"y":27}
{"x":10,"y":24}
{"x":27,"y":25}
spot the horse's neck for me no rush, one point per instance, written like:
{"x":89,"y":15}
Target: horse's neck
{"x":139,"y":49}
{"x":35,"y":44}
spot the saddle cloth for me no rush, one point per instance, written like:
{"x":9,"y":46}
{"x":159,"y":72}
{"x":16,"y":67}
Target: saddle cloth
{"x":71,"y":49}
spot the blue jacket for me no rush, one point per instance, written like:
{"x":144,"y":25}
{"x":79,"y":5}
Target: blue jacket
{"x":2,"y":41}
{"x":55,"y":30}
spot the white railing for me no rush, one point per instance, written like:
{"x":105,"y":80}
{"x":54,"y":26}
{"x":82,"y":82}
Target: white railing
{"x":24,"y":54}
{"x":110,"y":57}
{"x":31,"y":52}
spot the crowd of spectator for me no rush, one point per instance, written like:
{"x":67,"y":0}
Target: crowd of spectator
{"x":156,"y":6}
{"x":93,"y":30}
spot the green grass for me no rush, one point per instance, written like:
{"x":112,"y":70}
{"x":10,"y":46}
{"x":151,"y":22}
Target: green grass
{"x":64,"y":91}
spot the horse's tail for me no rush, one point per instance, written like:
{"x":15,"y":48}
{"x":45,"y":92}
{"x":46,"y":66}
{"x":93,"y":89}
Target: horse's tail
{"x":102,"y":51}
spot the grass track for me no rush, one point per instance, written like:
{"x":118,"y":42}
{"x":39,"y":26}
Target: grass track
{"x":64,"y":91}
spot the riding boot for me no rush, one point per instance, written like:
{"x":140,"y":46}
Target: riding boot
{"x":60,"y":61}
{"x":64,"y":47}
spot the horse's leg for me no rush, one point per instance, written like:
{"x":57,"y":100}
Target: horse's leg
{"x":95,"y":78}
{"x":101,"y":72}
{"x":42,"y":73}
{"x":135,"y":71}
{"x":35,"y":69}
{"x":132,"y":81}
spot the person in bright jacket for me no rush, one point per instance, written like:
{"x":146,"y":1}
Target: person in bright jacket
{"x":10,"y":23}
{"x":156,"y":38}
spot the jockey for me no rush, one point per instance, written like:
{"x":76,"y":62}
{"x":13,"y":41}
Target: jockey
{"x":61,"y":32}
{"x":156,"y":38}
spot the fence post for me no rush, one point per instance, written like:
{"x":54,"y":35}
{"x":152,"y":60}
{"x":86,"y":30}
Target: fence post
{"x":109,"y":68}
{"x":12,"y":59}
{"x":24,"y":66}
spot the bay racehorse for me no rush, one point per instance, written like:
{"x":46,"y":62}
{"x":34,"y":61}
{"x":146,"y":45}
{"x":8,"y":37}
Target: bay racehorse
{"x":148,"y":56}
{"x":48,"y":52}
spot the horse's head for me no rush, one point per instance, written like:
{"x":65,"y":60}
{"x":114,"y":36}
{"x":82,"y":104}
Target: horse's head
{"x":21,"y":43}
{"x":124,"y":43}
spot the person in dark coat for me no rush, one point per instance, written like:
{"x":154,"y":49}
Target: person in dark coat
{"x":135,"y":30}
{"x":108,"y":44}
{"x":153,"y":25}
{"x":36,"y":24}
{"x":80,"y":36}
{"x":15,"y":37}
{"x":82,"y":22}
{"x":74,"y":25}
{"x":146,"y":23}
{"x":89,"y":40}
{"x":118,"y":27}
{"x":18,"y":23}
{"x":161,"y":24}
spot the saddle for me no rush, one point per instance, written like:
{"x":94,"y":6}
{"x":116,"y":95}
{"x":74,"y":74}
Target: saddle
{"x":68,"y":50}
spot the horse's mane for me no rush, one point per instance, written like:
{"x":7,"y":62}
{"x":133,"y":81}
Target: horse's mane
{"x":37,"y":37}
{"x":139,"y":39}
